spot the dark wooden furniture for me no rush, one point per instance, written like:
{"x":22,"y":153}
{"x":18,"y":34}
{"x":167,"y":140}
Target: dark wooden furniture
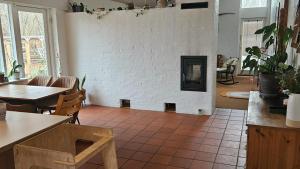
{"x":229,"y":73}
{"x":19,"y":127}
{"x":34,"y":95}
{"x":271,"y":144}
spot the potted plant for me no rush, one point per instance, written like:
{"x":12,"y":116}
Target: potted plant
{"x":2,"y":77}
{"x":264,"y":65}
{"x":290,"y":82}
{"x":76,"y":7}
{"x":81,"y":89}
{"x":15,"y":72}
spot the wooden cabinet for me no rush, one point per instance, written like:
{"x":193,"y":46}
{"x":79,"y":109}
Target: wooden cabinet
{"x":271,"y":144}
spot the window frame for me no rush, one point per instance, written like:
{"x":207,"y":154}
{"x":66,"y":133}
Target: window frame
{"x":267,"y":3}
{"x":246,"y":72}
{"x":13,"y":10}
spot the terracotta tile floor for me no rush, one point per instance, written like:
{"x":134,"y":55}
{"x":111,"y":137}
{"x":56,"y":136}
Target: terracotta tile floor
{"x":158,"y":140}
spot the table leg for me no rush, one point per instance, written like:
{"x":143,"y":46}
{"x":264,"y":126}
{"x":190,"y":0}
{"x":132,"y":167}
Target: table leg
{"x":109,"y":156}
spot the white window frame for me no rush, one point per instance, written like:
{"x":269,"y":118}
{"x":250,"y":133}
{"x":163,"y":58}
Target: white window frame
{"x":241,"y":39}
{"x":13,"y":9}
{"x":16,"y":23}
{"x":267,"y":3}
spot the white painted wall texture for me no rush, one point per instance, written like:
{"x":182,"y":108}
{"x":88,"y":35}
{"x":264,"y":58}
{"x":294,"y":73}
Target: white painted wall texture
{"x":138,"y":58}
{"x":229,"y":29}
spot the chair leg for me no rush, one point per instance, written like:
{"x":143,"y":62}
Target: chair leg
{"x":77,"y":119}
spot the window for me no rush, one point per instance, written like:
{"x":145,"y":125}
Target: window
{"x":34,"y":44}
{"x":249,"y":38}
{"x":254,"y":3}
{"x":8,"y":56}
{"x":24,"y":38}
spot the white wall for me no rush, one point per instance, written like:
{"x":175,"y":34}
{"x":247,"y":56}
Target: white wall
{"x":138,"y":58}
{"x":229,"y":29}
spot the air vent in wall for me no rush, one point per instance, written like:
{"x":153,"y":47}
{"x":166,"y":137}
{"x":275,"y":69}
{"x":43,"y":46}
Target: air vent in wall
{"x":194,"y":5}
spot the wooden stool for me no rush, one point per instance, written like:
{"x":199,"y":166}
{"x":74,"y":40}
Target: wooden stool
{"x":56,"y":148}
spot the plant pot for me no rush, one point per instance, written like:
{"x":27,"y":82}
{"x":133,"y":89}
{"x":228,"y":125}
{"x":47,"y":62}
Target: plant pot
{"x":16,"y":76}
{"x":293,"y":115}
{"x":74,"y":8}
{"x":268,"y":86}
{"x":2,"y":78}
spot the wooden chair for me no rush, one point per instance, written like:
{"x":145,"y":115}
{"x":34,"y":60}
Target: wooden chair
{"x":69,"y":105}
{"x":229,"y":71}
{"x":28,"y":108}
{"x":64,"y":82}
{"x":40,"y":81}
{"x":21,"y":108}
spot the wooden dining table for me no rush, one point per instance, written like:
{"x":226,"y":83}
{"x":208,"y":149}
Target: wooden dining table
{"x":20,"y":126}
{"x":34,"y":95}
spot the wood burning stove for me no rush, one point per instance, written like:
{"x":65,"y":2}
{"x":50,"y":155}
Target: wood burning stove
{"x":193,"y":73}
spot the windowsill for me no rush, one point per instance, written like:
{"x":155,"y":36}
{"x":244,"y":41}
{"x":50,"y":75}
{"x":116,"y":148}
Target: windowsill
{"x":20,"y":81}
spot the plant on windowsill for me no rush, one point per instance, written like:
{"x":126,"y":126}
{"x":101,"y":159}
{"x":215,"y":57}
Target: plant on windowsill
{"x":267,"y":66}
{"x":290,"y":83}
{"x":2,"y":77}
{"x":15,"y":72}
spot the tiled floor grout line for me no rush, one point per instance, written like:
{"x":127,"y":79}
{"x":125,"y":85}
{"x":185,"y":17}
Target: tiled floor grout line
{"x":221,"y":140}
{"x":240,"y":148}
{"x":183,"y":124}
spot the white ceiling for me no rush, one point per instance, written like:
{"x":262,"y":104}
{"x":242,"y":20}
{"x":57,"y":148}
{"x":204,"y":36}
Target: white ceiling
{"x":139,"y":3}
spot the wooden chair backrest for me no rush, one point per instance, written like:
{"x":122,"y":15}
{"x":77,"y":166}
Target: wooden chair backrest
{"x":66,"y":82}
{"x":28,"y":108}
{"x":21,"y":108}
{"x":68,"y":105}
{"x":40,"y":81}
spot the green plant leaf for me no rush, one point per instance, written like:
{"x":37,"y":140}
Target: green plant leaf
{"x":269,"y":42}
{"x":260,"y":31}
{"x":287,"y":36}
{"x":83,"y":81}
{"x":256,"y":51}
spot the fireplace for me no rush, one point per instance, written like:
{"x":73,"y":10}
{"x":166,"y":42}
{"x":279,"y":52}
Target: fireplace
{"x":193,"y":73}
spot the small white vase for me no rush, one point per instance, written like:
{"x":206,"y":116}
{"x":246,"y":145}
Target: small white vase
{"x":293,"y":111}
{"x":16,"y":76}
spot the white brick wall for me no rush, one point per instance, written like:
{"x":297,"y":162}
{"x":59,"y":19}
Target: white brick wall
{"x":138,"y":58}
